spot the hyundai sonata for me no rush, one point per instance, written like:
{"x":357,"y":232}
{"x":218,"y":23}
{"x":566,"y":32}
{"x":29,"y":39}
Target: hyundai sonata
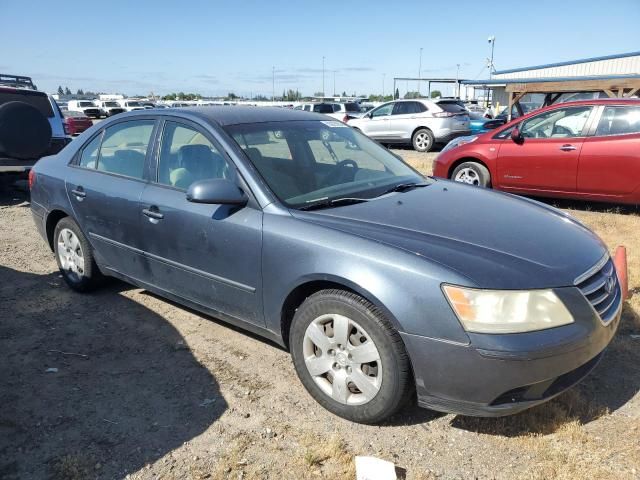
{"x":385,"y":286}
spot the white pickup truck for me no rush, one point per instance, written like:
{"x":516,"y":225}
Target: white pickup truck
{"x":85,"y":106}
{"x":108,"y":107}
{"x":131,"y":105}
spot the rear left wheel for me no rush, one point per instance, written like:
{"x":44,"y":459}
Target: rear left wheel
{"x":74,"y":257}
{"x":349,"y":357}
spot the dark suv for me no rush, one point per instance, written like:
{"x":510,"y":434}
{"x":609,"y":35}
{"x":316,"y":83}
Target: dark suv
{"x":31,"y":124}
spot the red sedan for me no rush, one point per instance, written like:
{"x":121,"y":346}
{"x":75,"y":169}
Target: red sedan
{"x":76,"y":122}
{"x":587,"y":150}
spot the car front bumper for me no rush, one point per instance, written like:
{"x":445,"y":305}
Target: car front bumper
{"x":496,"y":375}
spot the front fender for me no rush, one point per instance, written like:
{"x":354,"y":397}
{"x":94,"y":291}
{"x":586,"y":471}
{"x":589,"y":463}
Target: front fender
{"x":404,"y":285}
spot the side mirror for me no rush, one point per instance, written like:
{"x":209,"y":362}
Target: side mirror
{"x":516,"y":136}
{"x":369,"y":115}
{"x":216,"y":191}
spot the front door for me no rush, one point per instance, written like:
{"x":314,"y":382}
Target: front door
{"x":547,"y":157}
{"x":104,"y":188}
{"x":610,"y":160}
{"x":377,"y":127}
{"x":403,"y":119}
{"x":207,"y":254}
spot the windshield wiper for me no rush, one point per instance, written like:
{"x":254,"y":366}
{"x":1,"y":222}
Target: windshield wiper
{"x":335,"y":202}
{"x":404,"y":187}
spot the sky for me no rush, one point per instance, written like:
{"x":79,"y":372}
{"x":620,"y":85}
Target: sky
{"x":216,"y":47}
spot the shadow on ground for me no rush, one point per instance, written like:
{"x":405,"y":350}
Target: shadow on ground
{"x":614,"y":382}
{"x":13,"y":190}
{"x":93,"y":386}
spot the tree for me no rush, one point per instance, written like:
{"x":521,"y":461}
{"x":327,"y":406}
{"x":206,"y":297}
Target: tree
{"x":231,"y":96}
{"x":436,"y":93}
{"x":344,"y":94}
{"x":79,"y":92}
{"x":67,"y":91}
{"x":412,"y":95}
{"x":397,"y":93}
{"x":318,"y":94}
{"x":60,"y":90}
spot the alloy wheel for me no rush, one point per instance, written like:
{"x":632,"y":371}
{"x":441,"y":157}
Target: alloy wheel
{"x":468,"y":175}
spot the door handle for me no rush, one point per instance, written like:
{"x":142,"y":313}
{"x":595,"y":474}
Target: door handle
{"x":79,"y":193}
{"x":567,"y":148}
{"x":153,"y":213}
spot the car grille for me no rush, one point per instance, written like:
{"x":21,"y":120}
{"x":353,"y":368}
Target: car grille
{"x":601,"y":288}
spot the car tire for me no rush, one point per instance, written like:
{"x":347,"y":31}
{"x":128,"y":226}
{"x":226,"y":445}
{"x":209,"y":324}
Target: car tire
{"x":472,"y":173}
{"x":75,"y":257}
{"x":422,"y":140}
{"x":367,"y":392}
{"x":25,"y":133}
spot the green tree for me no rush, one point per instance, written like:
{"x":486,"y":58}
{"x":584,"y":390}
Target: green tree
{"x":67,"y":91}
{"x":60,"y":90}
{"x":436,"y":93}
{"x":231,"y":96}
{"x":169,"y":96}
{"x":397,"y":93}
{"x":412,"y":95}
{"x":80,"y":92}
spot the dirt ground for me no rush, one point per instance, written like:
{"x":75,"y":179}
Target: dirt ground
{"x":123,"y":384}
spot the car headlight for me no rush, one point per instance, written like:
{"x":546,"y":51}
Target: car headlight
{"x":507,"y":311}
{"x":456,"y":142}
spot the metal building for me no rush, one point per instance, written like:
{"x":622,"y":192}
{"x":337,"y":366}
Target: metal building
{"x":611,"y":75}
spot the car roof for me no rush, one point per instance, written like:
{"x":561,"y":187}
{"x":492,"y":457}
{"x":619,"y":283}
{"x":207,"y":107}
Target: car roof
{"x":225,"y":115}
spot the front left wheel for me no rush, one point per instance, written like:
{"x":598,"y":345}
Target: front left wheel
{"x":349,"y":357}
{"x":74,"y":257}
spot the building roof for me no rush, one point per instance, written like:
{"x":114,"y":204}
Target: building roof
{"x":570,"y":62}
{"x":504,"y":81}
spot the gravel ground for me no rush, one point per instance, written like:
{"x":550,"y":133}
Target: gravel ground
{"x":121,"y":383}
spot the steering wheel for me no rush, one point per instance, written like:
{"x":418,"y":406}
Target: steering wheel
{"x":560,"y":130}
{"x":344,"y":170}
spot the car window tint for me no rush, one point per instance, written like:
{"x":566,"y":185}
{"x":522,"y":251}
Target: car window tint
{"x":401,"y":108}
{"x":89,"y":156}
{"x":35,"y":99}
{"x":619,"y":121}
{"x":382,"y":111}
{"x":124,"y":148}
{"x":187,"y":156}
{"x":558,"y":123}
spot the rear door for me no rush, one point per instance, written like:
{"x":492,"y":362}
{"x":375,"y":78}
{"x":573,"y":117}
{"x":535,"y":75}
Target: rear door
{"x":207,"y":254}
{"x":547,"y":158}
{"x":610,"y":159}
{"x":377,"y":126}
{"x":104,"y":187}
{"x":403,"y":119}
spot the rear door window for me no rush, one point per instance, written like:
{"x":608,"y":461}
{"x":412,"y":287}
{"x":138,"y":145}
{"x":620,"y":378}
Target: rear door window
{"x":124,"y":148}
{"x":89,"y":157}
{"x":35,"y":99}
{"x":619,"y":121}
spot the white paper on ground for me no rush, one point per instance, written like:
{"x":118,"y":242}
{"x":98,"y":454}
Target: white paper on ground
{"x":372,"y":468}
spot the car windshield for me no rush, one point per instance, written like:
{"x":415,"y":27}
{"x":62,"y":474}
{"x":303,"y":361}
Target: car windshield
{"x":352,"y":107}
{"x":71,"y":113}
{"x":86,"y":104}
{"x":323,"y":108}
{"x":111,"y":104}
{"x":134,"y":104}
{"x":306,"y":162}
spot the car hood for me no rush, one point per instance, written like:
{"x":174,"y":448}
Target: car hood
{"x":496,"y":240}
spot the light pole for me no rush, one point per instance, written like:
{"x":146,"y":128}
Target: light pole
{"x":419,"y":70}
{"x":323,"y":75}
{"x":273,"y":84}
{"x":492,"y":41}
{"x":458,"y":79}
{"x":334,"y":83}
{"x":383,"y":75}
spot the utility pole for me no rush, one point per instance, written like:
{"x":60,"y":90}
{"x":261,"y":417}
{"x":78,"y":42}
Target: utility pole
{"x":419,"y":70}
{"x":323,"y":75}
{"x":273,"y":84}
{"x":383,"y":75}
{"x":458,"y":79}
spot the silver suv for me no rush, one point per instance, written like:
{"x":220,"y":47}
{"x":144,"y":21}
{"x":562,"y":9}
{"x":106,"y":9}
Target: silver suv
{"x":421,"y":123}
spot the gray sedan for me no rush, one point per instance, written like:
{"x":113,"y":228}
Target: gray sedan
{"x":386,"y":286}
